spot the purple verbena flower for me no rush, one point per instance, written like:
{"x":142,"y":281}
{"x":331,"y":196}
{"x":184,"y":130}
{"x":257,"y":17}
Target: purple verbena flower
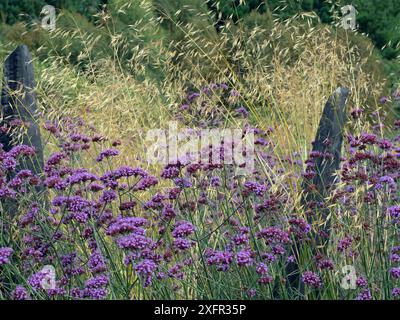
{"x":344,"y":244}
{"x":92,"y":293}
{"x":262,"y":268}
{"x":183,"y":229}
{"x":135,"y":242}
{"x":364,"y":295}
{"x":220,"y":259}
{"x":145,"y":270}
{"x":170,"y":172}
{"x":311,"y":279}
{"x":97,"y":282}
{"x":396,"y":292}
{"x":394,"y":213}
{"x":129,"y":224}
{"x":5,"y":254}
{"x":361,"y":282}
{"x":244,"y":258}
{"x":20,"y":293}
{"x":215,"y":181}
{"x":183,"y":183}
{"x":182,"y":244}
{"x":299,"y":227}
{"x":107,"y":154}
{"x":146,"y":182}
{"x":255,"y":187}
{"x":395,"y":272}
{"x":274,"y":235}
{"x":97,"y":263}
{"x":242,"y":111}
{"x":108,"y":196}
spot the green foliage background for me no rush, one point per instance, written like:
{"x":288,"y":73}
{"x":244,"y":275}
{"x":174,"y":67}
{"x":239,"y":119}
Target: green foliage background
{"x":378,"y":20}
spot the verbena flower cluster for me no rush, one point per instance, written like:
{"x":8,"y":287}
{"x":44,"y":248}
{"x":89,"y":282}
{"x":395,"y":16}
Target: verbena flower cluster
{"x":195,"y":230}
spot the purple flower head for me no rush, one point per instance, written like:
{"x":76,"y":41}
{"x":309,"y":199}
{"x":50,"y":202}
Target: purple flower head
{"x":220,"y":259}
{"x":325,"y":264}
{"x":262,"y":269}
{"x":80,"y":176}
{"x":396,"y":292}
{"x":384,"y":99}
{"x":76,"y":137}
{"x":385,"y":144}
{"x":395,"y":255}
{"x":311,"y":279}
{"x":36,"y":279}
{"x":261,"y":142}
{"x":22,"y":150}
{"x":316,"y":154}
{"x":215,"y":181}
{"x":299,"y":227}
{"x":274,"y":235}
{"x":344,"y":244}
{"x":126,"y":172}
{"x":135,"y":242}
{"x":108,"y":196}
{"x":174,"y":193}
{"x":124,"y":225}
{"x":24,"y":174}
{"x":269,"y":257}
{"x":9,"y":163}
{"x":97,"y":282}
{"x":361,"y":282}
{"x":79,"y":207}
{"x":176,"y":271}
{"x":364,"y":295}
{"x":51,"y":127}
{"x":394,"y":213}
{"x":193,"y":96}
{"x":368,"y":138}
{"x":183,"y":229}
{"x":170,"y":172}
{"x":356,"y":113}
{"x":146,"y":182}
{"x":20,"y":293}
{"x":7,"y":193}
{"x":145,"y":270}
{"x":241,"y":238}
{"x":5,"y":254}
{"x":386,"y":180}
{"x":168,"y":211}
{"x":107,"y":154}
{"x":92,"y":293}
{"x":242,"y":111}
{"x":97,"y":263}
{"x":278,"y":250}
{"x":395,"y":273}
{"x":55,"y":159}
{"x":183,"y":183}
{"x":223,"y":86}
{"x":124,"y":206}
{"x":244,"y":258}
{"x":265,"y":279}
{"x":182,"y":244}
{"x":54,"y":292}
{"x":251,"y":293}
{"x":255,"y":187}
{"x":291,"y":259}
